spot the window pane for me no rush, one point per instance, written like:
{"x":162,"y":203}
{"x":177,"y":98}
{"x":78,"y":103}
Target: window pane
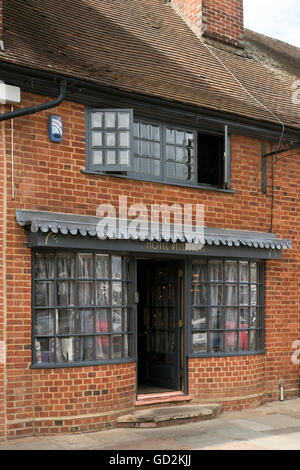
{"x":253,"y":272}
{"x":110,"y":139}
{"x":170,"y":136}
{"x":244,"y":271}
{"x":97,"y":139}
{"x":102,"y":320}
{"x":65,"y":293}
{"x":124,"y":139}
{"x":146,"y":166}
{"x":171,"y":151}
{"x":231,"y":271}
{"x":253,"y":294}
{"x":215,"y":318}
{"x":244,"y":318}
{"x":215,"y":295}
{"x":127,"y":345}
{"x":231,"y":295}
{"x":97,"y":157}
{"x":85,"y":348}
{"x":155,"y":133}
{"x":116,"y":346}
{"x":199,"y":271}
{"x":123,"y":120}
{"x":102,"y":266}
{"x":170,"y":170}
{"x":127,"y":269}
{"x":244,"y":340}
{"x":85,"y":265}
{"x":117,"y":319}
{"x":44,"y":322}
{"x":216,"y":341}
{"x":102,"y":348}
{"x":44,"y":266}
{"x":199,"y":318}
{"x":244,"y":295}
{"x":127,"y":291}
{"x":199,"y":292}
{"x":65,"y":265}
{"x":85,"y":293}
{"x":180,"y":154}
{"x":127,"y":319}
{"x":199,"y":342}
{"x":97,"y":119}
{"x":252,"y":341}
{"x":253,"y":318}
{"x":155,"y":149}
{"x":145,"y":148}
{"x":156,"y":168}
{"x":44,"y":294}
{"x":85,"y":321}
{"x":231,"y":344}
{"x":65,"y":321}
{"x":111,"y":157}
{"x":180,"y":137}
{"x":65,"y":349}
{"x":116,"y":267}
{"x":124,"y":157}
{"x":44,"y":350}
{"x":215,"y":271}
{"x":117,"y":293}
{"x":102,"y":293}
{"x":145,"y":131}
{"x":110,"y":119}
{"x":231,"y":318}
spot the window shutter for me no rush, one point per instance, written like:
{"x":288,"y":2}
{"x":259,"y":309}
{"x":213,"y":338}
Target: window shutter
{"x":227,"y":159}
{"x":110,"y":139}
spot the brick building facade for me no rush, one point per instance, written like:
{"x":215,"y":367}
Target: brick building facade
{"x":70,"y":320}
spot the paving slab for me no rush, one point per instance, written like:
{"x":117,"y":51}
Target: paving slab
{"x":274,"y":426}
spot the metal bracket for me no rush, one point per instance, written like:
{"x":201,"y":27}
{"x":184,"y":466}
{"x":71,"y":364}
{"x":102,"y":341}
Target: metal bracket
{"x":264,"y":155}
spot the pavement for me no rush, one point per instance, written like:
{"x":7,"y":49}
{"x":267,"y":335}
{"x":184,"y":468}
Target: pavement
{"x":273,"y":426}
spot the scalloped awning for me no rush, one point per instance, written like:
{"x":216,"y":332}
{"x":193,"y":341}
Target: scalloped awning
{"x":83,"y":225}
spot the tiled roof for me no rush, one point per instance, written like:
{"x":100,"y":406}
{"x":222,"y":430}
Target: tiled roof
{"x":87,"y":225}
{"x":143,"y":46}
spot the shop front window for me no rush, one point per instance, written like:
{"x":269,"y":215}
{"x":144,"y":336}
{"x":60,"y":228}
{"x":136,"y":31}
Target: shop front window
{"x":227,"y":310}
{"x":82,"y":307}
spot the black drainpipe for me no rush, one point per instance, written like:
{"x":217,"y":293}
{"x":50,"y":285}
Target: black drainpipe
{"x":39,"y":107}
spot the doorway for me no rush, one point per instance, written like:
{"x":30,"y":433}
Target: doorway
{"x":159,"y":284}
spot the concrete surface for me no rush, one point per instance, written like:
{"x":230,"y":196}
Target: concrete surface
{"x":274,"y":426}
{"x":170,"y":413}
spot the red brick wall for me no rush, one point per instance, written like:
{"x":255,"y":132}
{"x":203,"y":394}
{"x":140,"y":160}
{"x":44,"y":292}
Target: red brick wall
{"x":48,"y":177}
{"x":222,"y":20}
{"x":237,"y":382}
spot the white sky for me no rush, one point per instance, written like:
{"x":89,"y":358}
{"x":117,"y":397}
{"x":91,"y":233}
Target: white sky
{"x":279,"y":19}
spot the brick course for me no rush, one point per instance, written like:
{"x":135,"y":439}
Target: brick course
{"x":48,"y":177}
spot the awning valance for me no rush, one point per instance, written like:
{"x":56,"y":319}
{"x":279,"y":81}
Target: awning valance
{"x":71,"y":224}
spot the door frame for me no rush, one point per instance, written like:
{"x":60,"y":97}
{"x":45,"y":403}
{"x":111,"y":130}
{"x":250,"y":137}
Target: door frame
{"x":183,"y":314}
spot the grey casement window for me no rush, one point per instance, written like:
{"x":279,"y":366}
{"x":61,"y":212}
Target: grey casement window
{"x":227,"y":306}
{"x":82,"y":308}
{"x":110,"y":139}
{"x":143,"y":149}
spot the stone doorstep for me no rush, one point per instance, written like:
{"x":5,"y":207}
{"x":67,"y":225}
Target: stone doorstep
{"x":153,"y":399}
{"x":156,"y":417}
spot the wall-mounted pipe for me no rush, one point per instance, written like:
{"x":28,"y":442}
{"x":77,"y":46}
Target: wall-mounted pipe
{"x":281,"y":388}
{"x":39,"y":107}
